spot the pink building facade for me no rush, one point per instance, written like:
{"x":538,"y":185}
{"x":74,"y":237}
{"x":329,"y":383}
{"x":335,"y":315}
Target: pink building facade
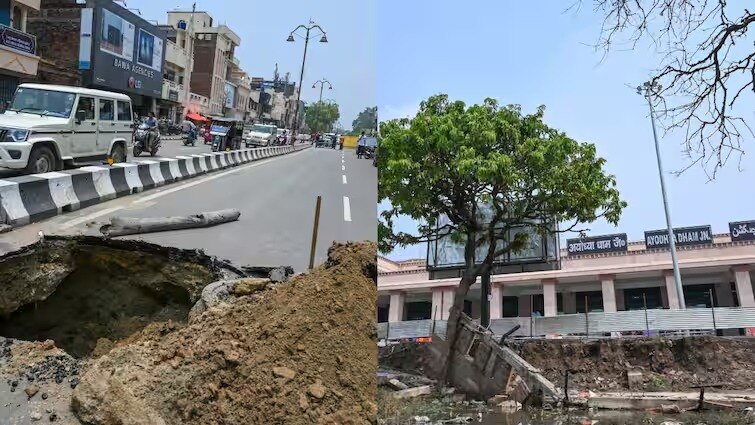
{"x":591,"y":276}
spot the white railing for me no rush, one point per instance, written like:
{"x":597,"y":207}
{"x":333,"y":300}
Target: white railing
{"x":643,"y":321}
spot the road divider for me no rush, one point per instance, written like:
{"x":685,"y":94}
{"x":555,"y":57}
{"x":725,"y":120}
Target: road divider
{"x":32,"y":198}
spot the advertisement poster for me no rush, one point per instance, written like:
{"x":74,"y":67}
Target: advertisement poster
{"x":117,"y":36}
{"x":150,"y":51}
{"x":85,"y":39}
{"x":230,"y":95}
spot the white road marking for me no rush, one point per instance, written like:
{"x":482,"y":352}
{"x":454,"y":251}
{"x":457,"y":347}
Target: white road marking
{"x":343,"y":168}
{"x":88,"y":218}
{"x":344,"y":178}
{"x":346,"y":209}
{"x":208,"y":178}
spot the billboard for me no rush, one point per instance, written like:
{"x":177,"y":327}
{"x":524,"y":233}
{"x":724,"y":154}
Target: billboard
{"x":127,"y":52}
{"x":230,"y":95}
{"x":446,"y":253}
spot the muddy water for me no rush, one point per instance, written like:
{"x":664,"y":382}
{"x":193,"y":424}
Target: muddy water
{"x":610,"y":418}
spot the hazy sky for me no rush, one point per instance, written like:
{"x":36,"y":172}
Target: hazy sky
{"x":348,"y":60}
{"x":532,"y":53}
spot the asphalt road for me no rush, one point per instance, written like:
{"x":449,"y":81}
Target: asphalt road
{"x":277,"y":200}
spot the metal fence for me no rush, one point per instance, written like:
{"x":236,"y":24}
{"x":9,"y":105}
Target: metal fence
{"x":646,"y":322}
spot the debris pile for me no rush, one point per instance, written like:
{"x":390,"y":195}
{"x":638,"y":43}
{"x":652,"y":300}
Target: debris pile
{"x":647,"y":364}
{"x":168,"y":336}
{"x":301,"y":352}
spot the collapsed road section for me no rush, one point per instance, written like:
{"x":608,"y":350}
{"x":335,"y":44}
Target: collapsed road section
{"x":98,"y":331}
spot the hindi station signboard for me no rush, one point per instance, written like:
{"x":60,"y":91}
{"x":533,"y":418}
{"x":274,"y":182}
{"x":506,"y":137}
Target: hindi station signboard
{"x":597,"y":244}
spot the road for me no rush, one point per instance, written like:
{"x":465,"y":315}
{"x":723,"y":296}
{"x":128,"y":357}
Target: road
{"x":277,"y":200}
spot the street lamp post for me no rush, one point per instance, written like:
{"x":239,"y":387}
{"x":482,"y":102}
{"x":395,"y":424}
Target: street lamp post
{"x":647,"y":90}
{"x":323,"y":39}
{"x":322,"y":84}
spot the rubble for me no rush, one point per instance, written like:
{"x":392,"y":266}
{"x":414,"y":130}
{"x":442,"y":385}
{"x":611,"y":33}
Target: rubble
{"x":140,"y":358}
{"x":137,"y":383}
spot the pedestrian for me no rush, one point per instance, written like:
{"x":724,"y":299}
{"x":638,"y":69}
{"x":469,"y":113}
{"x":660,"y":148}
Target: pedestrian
{"x":361,"y":145}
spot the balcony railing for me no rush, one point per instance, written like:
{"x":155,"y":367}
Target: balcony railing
{"x":18,"y":40}
{"x":639,"y":322}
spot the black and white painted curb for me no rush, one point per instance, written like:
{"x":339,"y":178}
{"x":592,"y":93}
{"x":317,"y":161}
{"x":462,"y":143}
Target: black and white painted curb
{"x":36,"y":197}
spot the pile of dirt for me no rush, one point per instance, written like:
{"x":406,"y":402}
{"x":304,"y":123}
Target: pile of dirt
{"x":665,"y":364}
{"x":407,"y":357}
{"x":300,"y":352}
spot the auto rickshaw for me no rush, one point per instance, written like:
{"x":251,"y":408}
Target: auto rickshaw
{"x":226,"y":134}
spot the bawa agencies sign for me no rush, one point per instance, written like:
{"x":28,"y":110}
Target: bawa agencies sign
{"x":121,"y":50}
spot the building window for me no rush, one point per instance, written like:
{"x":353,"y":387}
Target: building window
{"x":17,"y":18}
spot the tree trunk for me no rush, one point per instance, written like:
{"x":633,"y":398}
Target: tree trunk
{"x":121,"y":226}
{"x":454,"y":316}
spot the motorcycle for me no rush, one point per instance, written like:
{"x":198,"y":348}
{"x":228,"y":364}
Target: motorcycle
{"x":368,"y":152}
{"x":140,"y":140}
{"x":189,"y":138}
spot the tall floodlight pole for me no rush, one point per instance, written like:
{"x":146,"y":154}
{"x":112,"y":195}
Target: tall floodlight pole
{"x":648,"y":90}
{"x":322,"y":85}
{"x":309,"y":35}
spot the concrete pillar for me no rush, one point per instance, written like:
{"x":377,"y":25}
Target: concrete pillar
{"x":525,"y":307}
{"x":609,"y":293}
{"x":620,"y":303}
{"x":443,"y":300}
{"x":724,"y":296}
{"x":570,"y":302}
{"x":496,"y":301}
{"x":396,"y":308}
{"x":744,"y":285}
{"x":549,"y":298}
{"x":673,"y":299}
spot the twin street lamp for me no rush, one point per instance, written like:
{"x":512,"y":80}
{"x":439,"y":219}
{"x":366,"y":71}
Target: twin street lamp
{"x":322,"y":84}
{"x":648,"y":90}
{"x":318,"y":32}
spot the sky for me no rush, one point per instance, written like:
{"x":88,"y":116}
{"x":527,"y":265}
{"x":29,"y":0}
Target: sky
{"x":348,"y":60}
{"x":532,"y":53}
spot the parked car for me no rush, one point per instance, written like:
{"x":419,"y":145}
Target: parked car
{"x":47,"y":127}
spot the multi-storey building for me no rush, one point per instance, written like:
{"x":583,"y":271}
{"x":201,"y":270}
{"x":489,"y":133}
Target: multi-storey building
{"x":273,"y":101}
{"x":214,"y":48}
{"x":18,"y":48}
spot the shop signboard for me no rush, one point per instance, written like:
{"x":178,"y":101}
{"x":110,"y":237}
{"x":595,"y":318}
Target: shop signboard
{"x":684,"y":236}
{"x":18,"y":40}
{"x":127,"y":52}
{"x":597,"y":244}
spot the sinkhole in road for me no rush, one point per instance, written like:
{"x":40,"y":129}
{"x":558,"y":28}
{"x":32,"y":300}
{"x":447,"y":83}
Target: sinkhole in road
{"x":87,"y":293}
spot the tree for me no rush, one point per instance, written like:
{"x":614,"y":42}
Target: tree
{"x":321,"y":116}
{"x":707,"y":67}
{"x":365,"y":121}
{"x":490,"y":171}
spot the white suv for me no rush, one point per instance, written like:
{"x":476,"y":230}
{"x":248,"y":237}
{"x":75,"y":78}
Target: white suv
{"x":47,"y":127}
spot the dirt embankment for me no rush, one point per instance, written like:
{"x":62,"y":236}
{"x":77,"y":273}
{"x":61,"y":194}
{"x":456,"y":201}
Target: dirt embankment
{"x":665,"y":364}
{"x":301,"y":352}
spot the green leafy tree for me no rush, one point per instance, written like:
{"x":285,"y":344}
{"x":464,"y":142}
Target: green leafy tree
{"x":321,"y":116}
{"x":365,"y":121}
{"x":492,"y":171}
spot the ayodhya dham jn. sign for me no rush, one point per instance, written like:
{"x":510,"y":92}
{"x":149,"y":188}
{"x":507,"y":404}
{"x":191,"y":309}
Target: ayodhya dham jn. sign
{"x":697,"y":235}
